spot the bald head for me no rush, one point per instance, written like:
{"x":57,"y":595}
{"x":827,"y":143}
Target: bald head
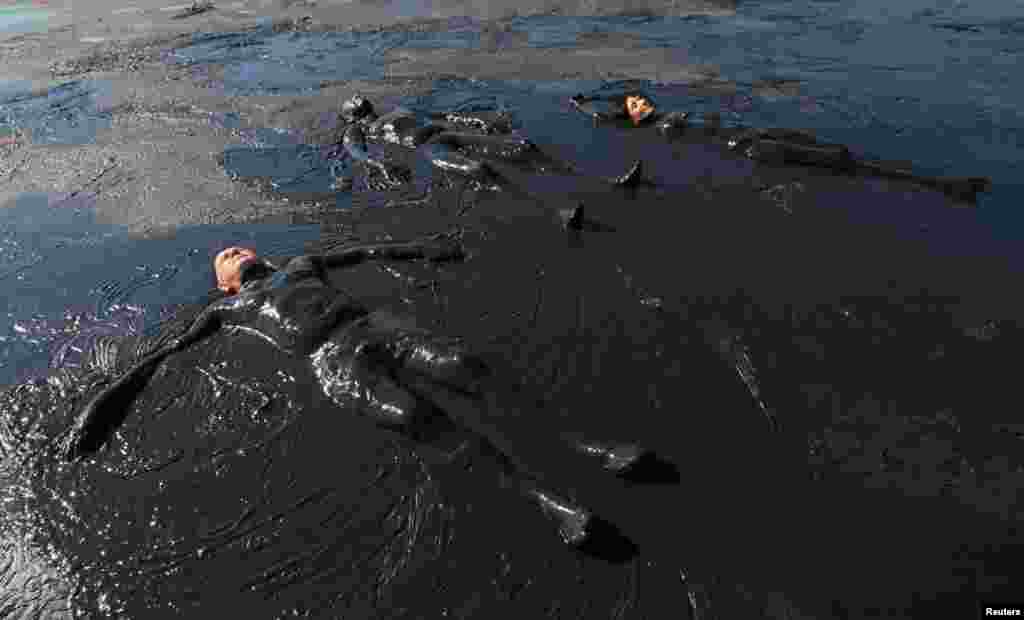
{"x":227,"y":265}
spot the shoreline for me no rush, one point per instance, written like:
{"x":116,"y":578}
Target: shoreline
{"x":163,"y":105}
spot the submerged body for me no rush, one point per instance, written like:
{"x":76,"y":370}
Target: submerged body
{"x":405,"y":378}
{"x":458,"y":143}
{"x":451,"y":142}
{"x":777,"y":146}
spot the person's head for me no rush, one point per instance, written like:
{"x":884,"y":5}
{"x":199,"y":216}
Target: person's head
{"x":639,"y":107}
{"x":227,"y":266}
{"x":356,"y":109}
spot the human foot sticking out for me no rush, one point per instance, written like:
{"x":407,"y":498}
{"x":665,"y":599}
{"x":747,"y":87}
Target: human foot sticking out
{"x":576,"y":220}
{"x":627,"y":460}
{"x":577,"y":526}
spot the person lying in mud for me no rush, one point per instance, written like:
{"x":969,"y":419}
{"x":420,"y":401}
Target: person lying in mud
{"x":453,"y":142}
{"x":776,"y":146}
{"x":401,"y":376}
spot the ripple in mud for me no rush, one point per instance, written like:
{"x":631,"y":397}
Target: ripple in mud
{"x":244,"y":489}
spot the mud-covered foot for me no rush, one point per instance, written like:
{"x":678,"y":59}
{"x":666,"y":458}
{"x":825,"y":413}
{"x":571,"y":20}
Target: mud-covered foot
{"x":615,"y":457}
{"x":573,"y":520}
{"x":630,"y":462}
{"x":633,"y":177}
{"x":572,"y":219}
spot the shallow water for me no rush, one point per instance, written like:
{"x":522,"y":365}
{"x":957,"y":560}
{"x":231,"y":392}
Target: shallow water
{"x":949,"y":103}
{"x":863,"y":308}
{"x":64,"y":113}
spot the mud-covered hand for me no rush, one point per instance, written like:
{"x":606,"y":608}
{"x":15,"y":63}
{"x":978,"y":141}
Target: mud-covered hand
{"x":105,"y":412}
{"x":108,"y":409}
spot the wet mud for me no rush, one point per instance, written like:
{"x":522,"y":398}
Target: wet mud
{"x":821,"y":357}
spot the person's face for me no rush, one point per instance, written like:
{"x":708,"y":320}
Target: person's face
{"x":638,"y":108}
{"x":228,"y":267}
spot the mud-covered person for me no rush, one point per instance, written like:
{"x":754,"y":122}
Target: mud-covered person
{"x":636,"y":108}
{"x":776,"y":146}
{"x":378,"y":363}
{"x":451,"y":141}
{"x":633,"y":106}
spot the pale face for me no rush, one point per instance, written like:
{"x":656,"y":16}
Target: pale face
{"x":228,"y":267}
{"x":638,"y":108}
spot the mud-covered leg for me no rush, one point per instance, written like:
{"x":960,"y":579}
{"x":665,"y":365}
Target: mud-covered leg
{"x":615,"y":456}
{"x":359,"y":368}
{"x":441,"y":359}
{"x":445,"y":360}
{"x":571,"y":518}
{"x":354,"y":375}
{"x":448,"y":361}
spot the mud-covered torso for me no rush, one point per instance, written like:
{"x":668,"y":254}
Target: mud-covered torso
{"x":395,"y":127}
{"x":295,"y":307}
{"x":404,"y":127}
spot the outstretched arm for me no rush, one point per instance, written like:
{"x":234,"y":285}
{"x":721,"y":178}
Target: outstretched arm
{"x":587,"y":106}
{"x":105,"y":412}
{"x":436,"y":250}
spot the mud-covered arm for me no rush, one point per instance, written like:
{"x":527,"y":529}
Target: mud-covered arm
{"x":105,"y":412}
{"x":438,"y":250}
{"x":598,"y":109}
{"x":354,"y":142}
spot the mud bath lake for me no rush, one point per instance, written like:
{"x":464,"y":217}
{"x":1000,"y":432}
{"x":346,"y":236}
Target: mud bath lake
{"x":878,"y":319}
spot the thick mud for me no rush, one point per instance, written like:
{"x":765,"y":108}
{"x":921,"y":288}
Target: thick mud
{"x":823,"y":357}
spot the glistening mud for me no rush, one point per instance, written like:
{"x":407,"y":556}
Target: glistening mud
{"x":874,"y":320}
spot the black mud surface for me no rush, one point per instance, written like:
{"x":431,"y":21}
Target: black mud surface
{"x":826,"y":360}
